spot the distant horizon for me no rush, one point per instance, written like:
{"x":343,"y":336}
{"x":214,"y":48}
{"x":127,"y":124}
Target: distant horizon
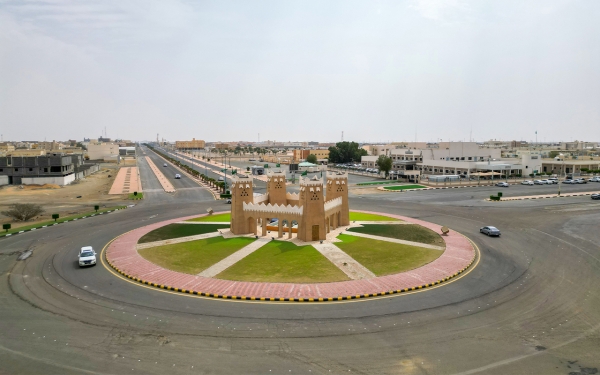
{"x":409,"y":69}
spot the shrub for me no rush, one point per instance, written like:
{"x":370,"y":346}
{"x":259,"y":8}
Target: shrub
{"x":6,"y":227}
{"x":23,"y":211}
{"x":55,"y":216}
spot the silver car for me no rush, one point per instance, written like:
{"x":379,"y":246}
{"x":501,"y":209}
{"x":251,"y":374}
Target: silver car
{"x":490,"y":231}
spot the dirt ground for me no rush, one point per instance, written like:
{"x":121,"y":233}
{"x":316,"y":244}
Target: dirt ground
{"x":64,"y":200}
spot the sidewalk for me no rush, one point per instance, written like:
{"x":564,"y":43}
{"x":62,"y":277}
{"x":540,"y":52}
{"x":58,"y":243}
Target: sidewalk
{"x":166,"y":184}
{"x":127,"y":181}
{"x":123,"y":256}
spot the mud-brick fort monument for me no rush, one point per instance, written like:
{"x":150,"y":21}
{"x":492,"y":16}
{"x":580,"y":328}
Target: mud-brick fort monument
{"x":315,"y":211}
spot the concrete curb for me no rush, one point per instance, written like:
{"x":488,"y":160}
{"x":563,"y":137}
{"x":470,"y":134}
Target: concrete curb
{"x":282,"y":299}
{"x":542,"y":197}
{"x":286,"y":299}
{"x":66,"y":221}
{"x":197,"y":180}
{"x":435,"y":188}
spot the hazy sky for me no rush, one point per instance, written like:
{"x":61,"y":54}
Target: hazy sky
{"x":300,"y":70}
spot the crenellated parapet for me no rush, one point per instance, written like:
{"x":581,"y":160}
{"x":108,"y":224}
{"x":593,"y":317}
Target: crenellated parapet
{"x":261,"y":198}
{"x":274,"y":209}
{"x":333,"y":203}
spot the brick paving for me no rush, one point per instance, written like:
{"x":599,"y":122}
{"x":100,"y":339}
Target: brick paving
{"x":123,"y":256}
{"x":127,"y":181}
{"x":164,"y":182}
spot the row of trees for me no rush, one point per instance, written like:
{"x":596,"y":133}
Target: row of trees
{"x":206,"y":179}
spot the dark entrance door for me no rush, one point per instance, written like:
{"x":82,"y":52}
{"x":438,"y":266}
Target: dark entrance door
{"x":315,"y":232}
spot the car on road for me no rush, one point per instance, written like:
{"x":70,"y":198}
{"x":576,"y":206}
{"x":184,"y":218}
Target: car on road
{"x":177,"y":176}
{"x":221,"y":179}
{"x":553,"y":180}
{"x":539,"y":182}
{"x":527,"y":182}
{"x":595,"y":179}
{"x":547,"y":182}
{"x":502,"y":184}
{"x":87,"y":256}
{"x":580,"y":181}
{"x":595,"y":196}
{"x":490,"y":231}
{"x":165,"y":164}
{"x":568,"y":182}
{"x":228,"y":201}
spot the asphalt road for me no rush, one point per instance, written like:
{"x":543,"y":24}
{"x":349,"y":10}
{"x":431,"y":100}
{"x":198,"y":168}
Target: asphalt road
{"x":530,"y":306}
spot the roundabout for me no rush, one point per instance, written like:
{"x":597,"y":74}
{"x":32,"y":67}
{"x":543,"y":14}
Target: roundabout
{"x":123,"y":256}
{"x":528,"y":306}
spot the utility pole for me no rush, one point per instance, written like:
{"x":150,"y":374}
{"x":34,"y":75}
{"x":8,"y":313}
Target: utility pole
{"x":342,"y":136}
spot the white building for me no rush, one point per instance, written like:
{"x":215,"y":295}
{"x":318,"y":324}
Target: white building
{"x":107,"y":151}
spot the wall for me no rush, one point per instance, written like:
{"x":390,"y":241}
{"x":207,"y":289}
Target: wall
{"x":48,"y":180}
{"x":3,"y":180}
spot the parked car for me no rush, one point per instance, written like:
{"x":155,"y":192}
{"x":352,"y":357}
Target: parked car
{"x":490,"y":231}
{"x":553,"y":180}
{"x":177,"y":176}
{"x":595,"y":179}
{"x":580,"y":181}
{"x":502,"y":184}
{"x":527,"y":182}
{"x":595,"y":196}
{"x":547,"y":182}
{"x":87,"y":256}
{"x":568,"y":182}
{"x":539,"y":182}
{"x":228,"y":201}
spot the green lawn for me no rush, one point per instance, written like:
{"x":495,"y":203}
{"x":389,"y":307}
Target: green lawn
{"x":377,"y":183}
{"x":195,"y":256}
{"x":359,"y":216}
{"x":404,"y":187}
{"x":60,"y":220}
{"x":139,"y":195}
{"x":386,"y":258}
{"x":180,"y":230}
{"x":408,"y":232}
{"x":280,"y":261}
{"x":226,"y":218}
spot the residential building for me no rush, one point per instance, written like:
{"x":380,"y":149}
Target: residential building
{"x":107,"y":151}
{"x":55,"y":168}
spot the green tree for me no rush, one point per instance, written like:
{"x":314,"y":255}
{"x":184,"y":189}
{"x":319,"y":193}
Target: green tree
{"x":312,"y":158}
{"x":384,"y":163}
{"x":344,"y":152}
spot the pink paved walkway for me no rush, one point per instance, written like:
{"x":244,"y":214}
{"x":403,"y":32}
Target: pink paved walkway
{"x":123,"y":256}
{"x":164,"y":182}
{"x":127,"y":181}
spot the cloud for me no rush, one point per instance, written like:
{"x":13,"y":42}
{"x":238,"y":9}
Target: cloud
{"x":438,"y":10}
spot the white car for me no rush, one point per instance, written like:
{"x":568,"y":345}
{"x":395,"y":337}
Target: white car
{"x":595,"y":179}
{"x":177,"y":176}
{"x":502,"y":184}
{"x":539,"y":182}
{"x":547,"y":182}
{"x":87,"y":256}
{"x":527,"y":182}
{"x":553,"y":180}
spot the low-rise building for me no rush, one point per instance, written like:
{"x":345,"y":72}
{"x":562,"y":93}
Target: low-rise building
{"x":302,"y":154}
{"x":55,"y":168}
{"x":107,"y":151}
{"x":194,"y":144}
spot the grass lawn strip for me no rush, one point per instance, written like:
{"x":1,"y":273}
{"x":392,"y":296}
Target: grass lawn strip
{"x":226,"y":218}
{"x":376,"y":183}
{"x":386,"y":258}
{"x":359,"y":216}
{"x":414,"y":233}
{"x":62,"y":219}
{"x":195,"y":256}
{"x":180,"y":230}
{"x":280,"y":261}
{"x":404,"y":187}
{"x":134,"y":197}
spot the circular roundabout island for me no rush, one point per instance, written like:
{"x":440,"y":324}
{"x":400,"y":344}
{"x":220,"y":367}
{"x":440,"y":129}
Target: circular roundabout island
{"x":375,"y":255}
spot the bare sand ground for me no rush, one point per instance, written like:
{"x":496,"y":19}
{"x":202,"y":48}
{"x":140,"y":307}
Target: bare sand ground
{"x":63,"y":200}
